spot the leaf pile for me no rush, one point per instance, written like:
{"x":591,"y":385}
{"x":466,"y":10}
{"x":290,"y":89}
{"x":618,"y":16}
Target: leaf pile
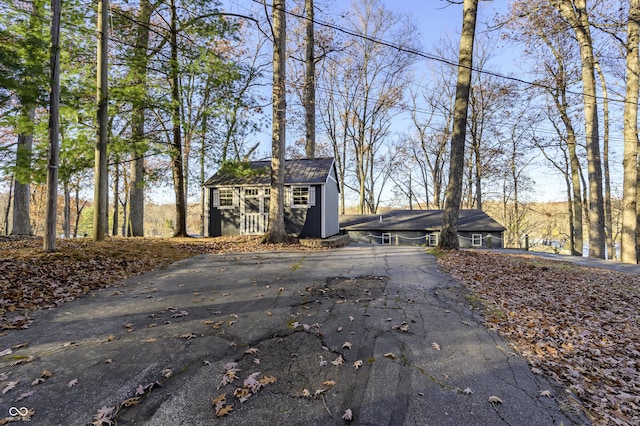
{"x":580,"y":326}
{"x":31,"y":279}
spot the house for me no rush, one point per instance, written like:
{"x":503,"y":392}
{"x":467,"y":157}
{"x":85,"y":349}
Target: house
{"x":422,"y":227}
{"x":237,"y":199}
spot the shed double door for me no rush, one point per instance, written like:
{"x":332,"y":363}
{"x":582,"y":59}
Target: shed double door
{"x":254,"y":211}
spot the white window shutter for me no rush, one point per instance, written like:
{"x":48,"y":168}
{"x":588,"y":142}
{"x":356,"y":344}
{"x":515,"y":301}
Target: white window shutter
{"x":288,"y":196}
{"x":215,"y":193}
{"x":312,"y":196}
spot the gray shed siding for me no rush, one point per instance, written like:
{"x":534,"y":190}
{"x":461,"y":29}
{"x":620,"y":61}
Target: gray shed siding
{"x":331,"y":200}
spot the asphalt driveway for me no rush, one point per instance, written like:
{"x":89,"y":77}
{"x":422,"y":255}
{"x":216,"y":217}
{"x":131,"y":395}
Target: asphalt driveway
{"x":285,"y":338}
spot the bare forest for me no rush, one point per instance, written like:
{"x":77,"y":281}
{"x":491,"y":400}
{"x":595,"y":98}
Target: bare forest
{"x":93,"y":141}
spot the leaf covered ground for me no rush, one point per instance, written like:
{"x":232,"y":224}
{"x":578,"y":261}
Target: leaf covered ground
{"x":31,"y":279}
{"x":580,"y":326}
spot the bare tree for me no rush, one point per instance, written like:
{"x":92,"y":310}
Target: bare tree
{"x":629,"y":249}
{"x":576,"y":15}
{"x":309,"y":100}
{"x":449,"y":234}
{"x":277,"y":232}
{"x":553,"y":60}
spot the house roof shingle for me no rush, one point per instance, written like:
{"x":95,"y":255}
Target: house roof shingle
{"x":297,"y":171}
{"x":419,"y":220}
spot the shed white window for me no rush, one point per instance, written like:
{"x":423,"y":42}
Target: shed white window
{"x":303,"y":196}
{"x":476,"y":240}
{"x":223,"y":198}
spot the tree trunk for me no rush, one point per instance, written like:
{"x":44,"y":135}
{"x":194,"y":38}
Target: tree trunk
{"x":21,"y":222}
{"x":66,"y":222}
{"x":576,"y":14}
{"x":100,"y":197}
{"x":139,"y":147}
{"x":608,"y":223}
{"x":54,"y":132}
{"x":177,"y":166}
{"x":310,"y":84}
{"x":449,"y":235}
{"x":629,"y":249}
{"x":277,"y":232}
{"x":8,"y":209}
{"x":116,"y":198}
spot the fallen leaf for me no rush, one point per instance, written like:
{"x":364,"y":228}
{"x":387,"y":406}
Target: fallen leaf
{"x":242,"y":394}
{"x":351,"y":318}
{"x":267,"y":380}
{"x":131,"y":402}
{"x":220,"y":398}
{"x":46,"y":374}
{"x":348,"y":415}
{"x":72,"y":383}
{"x":329,"y":383}
{"x":22,"y":361}
{"x":436,"y":346}
{"x":167,"y":373}
{"x":224,"y":411}
{"x":346,"y":345}
{"x":339,"y":329}
{"x":391,"y":355}
{"x":25,"y":395}
{"x":338,"y":361}
{"x":546,"y":393}
{"x":104,"y":415}
{"x":494,"y":400}
{"x":7,"y":351}
{"x":251,"y":351}
{"x":357,"y":364}
{"x":306,"y":393}
{"x":37,"y":381}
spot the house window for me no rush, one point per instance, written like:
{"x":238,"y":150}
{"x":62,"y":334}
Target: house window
{"x":300,"y":196}
{"x":226,"y":198}
{"x":433,"y":240}
{"x":476,"y":240}
{"x":251,"y":192}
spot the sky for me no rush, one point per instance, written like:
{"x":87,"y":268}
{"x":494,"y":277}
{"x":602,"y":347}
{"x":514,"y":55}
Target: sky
{"x":437,"y":19}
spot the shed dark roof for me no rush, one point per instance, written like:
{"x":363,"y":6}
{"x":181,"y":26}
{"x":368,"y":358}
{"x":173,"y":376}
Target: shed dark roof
{"x":419,"y":220}
{"x":298,"y":171}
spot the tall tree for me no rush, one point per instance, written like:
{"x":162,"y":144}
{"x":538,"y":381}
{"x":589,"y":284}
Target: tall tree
{"x":276,"y":232}
{"x":553,"y":60}
{"x":138,"y":70}
{"x":100,"y":198}
{"x":175,"y":150}
{"x":449,"y":234}
{"x":309,"y":96}
{"x":575,"y":13}
{"x":54,"y":129}
{"x":629,"y":253}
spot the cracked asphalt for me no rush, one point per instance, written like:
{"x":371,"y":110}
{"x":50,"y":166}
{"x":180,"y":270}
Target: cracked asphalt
{"x":376,"y":331}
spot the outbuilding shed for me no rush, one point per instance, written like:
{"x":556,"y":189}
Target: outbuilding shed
{"x":422,"y":227}
{"x":238,"y":199}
